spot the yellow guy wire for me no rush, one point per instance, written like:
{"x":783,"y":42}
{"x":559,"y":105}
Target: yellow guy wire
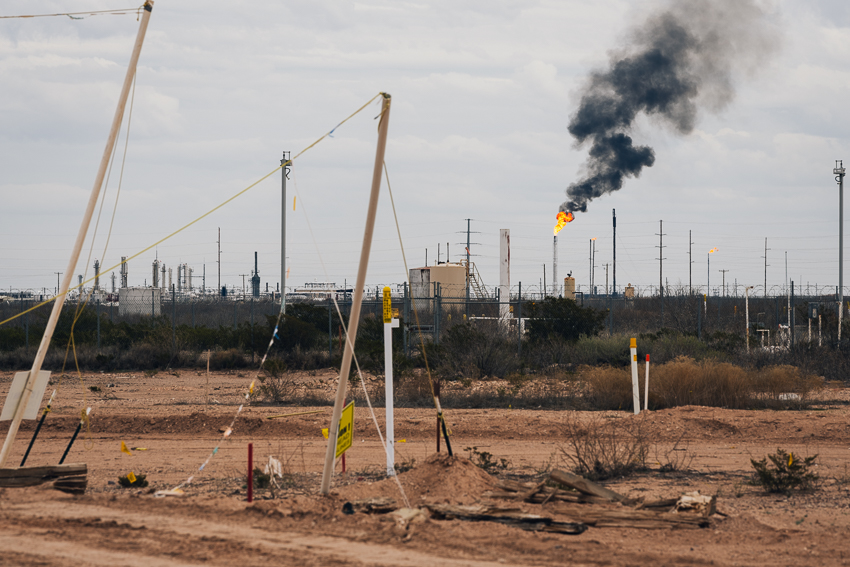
{"x":203,"y":216}
{"x":72,"y":14}
{"x":409,"y":283}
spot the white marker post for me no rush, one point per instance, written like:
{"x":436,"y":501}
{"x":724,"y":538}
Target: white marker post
{"x":646,"y":386}
{"x":635,"y":385}
{"x":389,"y":324}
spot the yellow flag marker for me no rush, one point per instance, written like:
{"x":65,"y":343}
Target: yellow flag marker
{"x":131,"y":477}
{"x":251,"y":388}
{"x":124,"y":449}
{"x":293,"y":202}
{"x":790,"y":459}
{"x":325,"y":432}
{"x":402,"y":440}
{"x":139,"y":448}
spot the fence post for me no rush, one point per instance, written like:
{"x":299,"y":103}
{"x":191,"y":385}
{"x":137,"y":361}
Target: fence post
{"x":252,"y":328}
{"x":699,"y":322}
{"x":173,"y":320}
{"x":519,"y":323}
{"x":330,"y":332}
{"x":97,"y":312}
{"x":406,"y":321}
{"x":111,"y":309}
{"x":234,"y":315}
{"x":27,"y":329}
{"x":193,"y":312}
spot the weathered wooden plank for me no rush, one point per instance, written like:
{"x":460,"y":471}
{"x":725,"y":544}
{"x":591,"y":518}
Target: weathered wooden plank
{"x":509,"y":516}
{"x":585,"y":486}
{"x":30,"y":476}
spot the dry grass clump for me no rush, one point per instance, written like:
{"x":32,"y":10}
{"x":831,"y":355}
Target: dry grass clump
{"x":784,"y":386}
{"x":607,"y":388}
{"x":684,"y":381}
{"x":600,"y":448}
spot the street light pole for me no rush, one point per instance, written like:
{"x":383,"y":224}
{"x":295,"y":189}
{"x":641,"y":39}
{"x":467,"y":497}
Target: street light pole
{"x":839,"y":178}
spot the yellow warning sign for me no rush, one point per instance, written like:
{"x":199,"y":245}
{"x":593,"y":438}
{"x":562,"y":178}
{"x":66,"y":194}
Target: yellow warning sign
{"x":388,"y":305}
{"x":395,"y":313}
{"x":346,"y":429}
{"x":131,"y":477}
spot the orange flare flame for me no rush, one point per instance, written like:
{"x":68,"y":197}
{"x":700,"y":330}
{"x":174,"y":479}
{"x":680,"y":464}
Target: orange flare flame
{"x":563,"y":219}
{"x":713,"y":250}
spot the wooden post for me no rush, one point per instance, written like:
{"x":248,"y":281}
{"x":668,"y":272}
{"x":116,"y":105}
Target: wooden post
{"x":250,"y":472}
{"x":81,"y":236}
{"x":354,"y":317}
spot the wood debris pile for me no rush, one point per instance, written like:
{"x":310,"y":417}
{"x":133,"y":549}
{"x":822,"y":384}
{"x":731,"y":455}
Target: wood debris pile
{"x":592,"y":504}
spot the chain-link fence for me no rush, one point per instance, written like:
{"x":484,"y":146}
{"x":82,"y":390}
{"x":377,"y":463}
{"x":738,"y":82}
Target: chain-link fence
{"x":774,"y":318}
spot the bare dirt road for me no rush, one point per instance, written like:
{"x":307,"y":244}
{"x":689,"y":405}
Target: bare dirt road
{"x":178,"y":420}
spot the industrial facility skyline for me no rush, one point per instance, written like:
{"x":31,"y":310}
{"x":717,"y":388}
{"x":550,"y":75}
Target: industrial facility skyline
{"x":482,"y":98}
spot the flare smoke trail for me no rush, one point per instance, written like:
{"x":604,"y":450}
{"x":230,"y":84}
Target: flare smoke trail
{"x":684,"y":57}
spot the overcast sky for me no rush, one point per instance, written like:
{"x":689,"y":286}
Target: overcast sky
{"x":482,"y":95}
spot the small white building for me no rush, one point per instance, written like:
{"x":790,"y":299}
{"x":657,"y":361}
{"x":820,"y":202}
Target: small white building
{"x":139,"y":301}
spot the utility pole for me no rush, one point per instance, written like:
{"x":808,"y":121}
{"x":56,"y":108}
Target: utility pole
{"x":839,"y":178}
{"x":286,"y":164}
{"x":57,"y":281}
{"x":614,"y":282}
{"x":590,"y":266}
{"x":765,"y":266}
{"x":218,"y":289}
{"x":243,"y":285}
{"x":690,"y":264}
{"x":724,"y":281}
{"x":661,"y":259}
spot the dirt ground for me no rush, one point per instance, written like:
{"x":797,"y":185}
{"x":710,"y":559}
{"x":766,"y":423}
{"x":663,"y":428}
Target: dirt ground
{"x":174,"y":421}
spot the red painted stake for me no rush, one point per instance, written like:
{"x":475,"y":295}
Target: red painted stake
{"x":250,"y":472}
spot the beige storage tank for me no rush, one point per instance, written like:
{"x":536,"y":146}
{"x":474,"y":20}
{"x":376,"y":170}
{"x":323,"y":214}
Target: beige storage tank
{"x":570,"y":288}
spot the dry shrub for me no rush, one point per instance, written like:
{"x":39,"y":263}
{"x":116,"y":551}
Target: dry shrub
{"x":783,"y":386}
{"x":607,"y":388}
{"x":602,"y":448}
{"x":276,"y":385}
{"x":685,"y":382}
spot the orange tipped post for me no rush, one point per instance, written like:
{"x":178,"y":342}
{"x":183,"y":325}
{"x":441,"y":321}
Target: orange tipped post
{"x":635,"y":384}
{"x":646,"y":386}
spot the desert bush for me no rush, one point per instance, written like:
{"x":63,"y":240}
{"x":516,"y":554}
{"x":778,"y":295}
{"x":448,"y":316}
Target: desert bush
{"x":276,"y":385}
{"x":785,"y":472}
{"x":600,"y":448}
{"x":606,"y":388}
{"x":561,"y":317}
{"x":227,"y":359}
{"x":685,"y":382}
{"x":783,"y":386}
{"x":474,"y":351}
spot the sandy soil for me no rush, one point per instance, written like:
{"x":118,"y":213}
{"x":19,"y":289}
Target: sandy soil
{"x":179,"y":418}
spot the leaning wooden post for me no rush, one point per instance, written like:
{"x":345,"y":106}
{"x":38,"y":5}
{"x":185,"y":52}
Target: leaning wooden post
{"x":354,"y":317}
{"x":81,"y":236}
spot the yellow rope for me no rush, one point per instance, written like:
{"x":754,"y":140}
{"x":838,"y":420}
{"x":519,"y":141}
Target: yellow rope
{"x":72,"y":14}
{"x":206,"y":214}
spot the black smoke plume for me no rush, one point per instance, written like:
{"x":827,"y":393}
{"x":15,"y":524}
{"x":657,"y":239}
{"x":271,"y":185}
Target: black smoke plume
{"x":683,"y":58}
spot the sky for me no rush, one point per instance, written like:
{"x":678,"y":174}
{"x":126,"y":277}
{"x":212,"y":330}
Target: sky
{"x":482,"y":95}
